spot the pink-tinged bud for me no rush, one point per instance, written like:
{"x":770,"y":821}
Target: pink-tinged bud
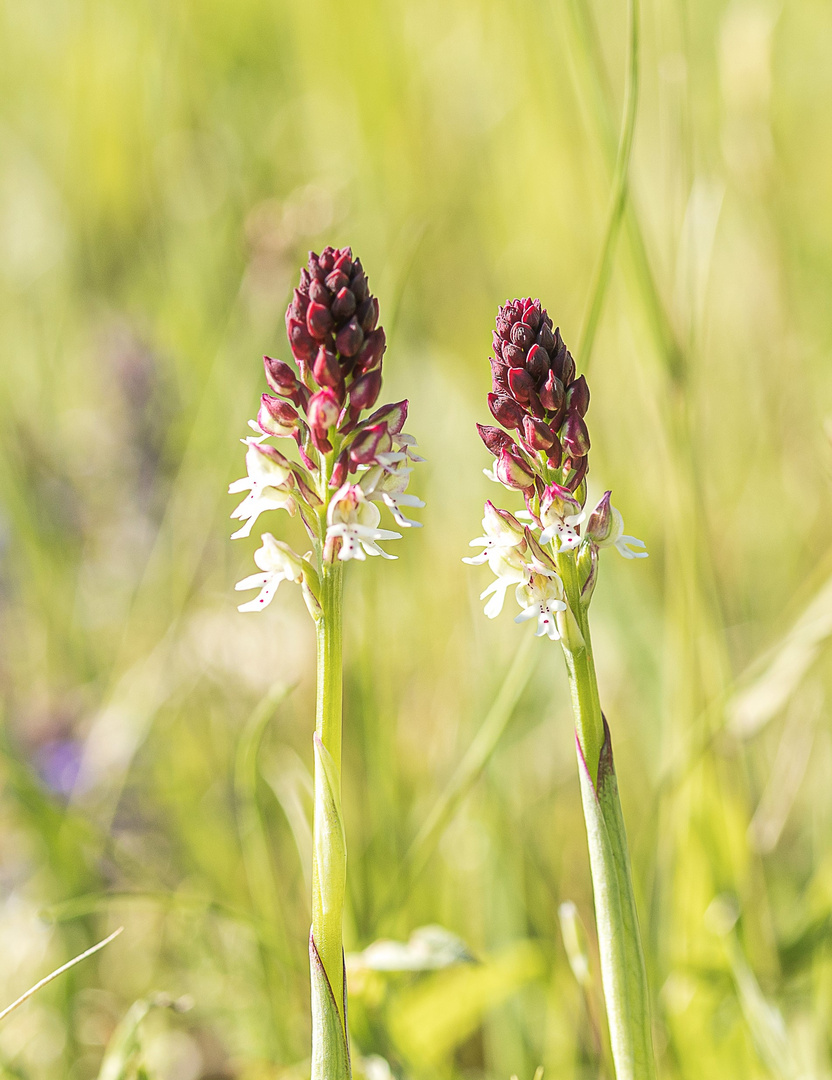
{"x":520,"y":383}
{"x":513,"y":471}
{"x":394,"y":415}
{"x":577,"y":396}
{"x":495,"y":439}
{"x":537,"y":362}
{"x":273,"y":455}
{"x":601,"y":520}
{"x":365,"y":390}
{"x":349,"y":338}
{"x":551,"y":393}
{"x":303,"y":439}
{"x":374,"y":345}
{"x":538,"y":434}
{"x":369,"y":444}
{"x":326,"y":370}
{"x":340,"y":470}
{"x":542,"y":558}
{"x":323,"y":413}
{"x":574,"y":436}
{"x":277,"y":417}
{"x":367,"y":314}
{"x":343,"y":306}
{"x":555,"y":455}
{"x":506,"y":411}
{"x":558,"y":501}
{"x":318,"y":321}
{"x":343,"y":261}
{"x":280,"y":377}
{"x":300,"y":340}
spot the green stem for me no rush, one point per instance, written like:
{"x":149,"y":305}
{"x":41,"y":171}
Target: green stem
{"x":623,"y":972}
{"x":330,"y":1040}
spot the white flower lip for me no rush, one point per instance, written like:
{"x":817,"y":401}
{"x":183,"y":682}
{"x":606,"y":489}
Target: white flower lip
{"x":353,"y":519}
{"x":278,"y":563}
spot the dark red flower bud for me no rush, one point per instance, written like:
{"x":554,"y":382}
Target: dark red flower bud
{"x":546,"y":339}
{"x":358,"y":283}
{"x":367,"y":314}
{"x":300,"y":340}
{"x":343,"y":306}
{"x":310,"y":495}
{"x":349,"y":338}
{"x":513,"y":355}
{"x":577,"y":396}
{"x":318,"y":321}
{"x":495,"y":439}
{"x":551,"y":393}
{"x":280,"y":377}
{"x":538,"y":434}
{"x":499,"y":377}
{"x":326,"y":369}
{"x":555,"y":454}
{"x":506,"y":411}
{"x":522,"y":335}
{"x":568,"y":369}
{"x":520,"y":383}
{"x":373,"y":350}
{"x":537,"y":362}
{"x":322,"y":412}
{"x":319,"y":294}
{"x":513,"y":471}
{"x":394,"y":415}
{"x":337,"y":281}
{"x":574,"y":436}
{"x":364,"y":391}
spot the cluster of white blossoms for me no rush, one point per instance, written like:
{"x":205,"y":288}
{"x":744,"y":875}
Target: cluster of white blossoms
{"x":526,"y":562}
{"x":343,"y":524}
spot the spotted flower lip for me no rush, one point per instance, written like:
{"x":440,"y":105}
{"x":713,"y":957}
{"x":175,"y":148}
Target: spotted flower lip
{"x":353,"y":520}
{"x":269,"y":482}
{"x":277,"y":562}
{"x":502,"y":531}
{"x":389,"y":485}
{"x":541,"y":597}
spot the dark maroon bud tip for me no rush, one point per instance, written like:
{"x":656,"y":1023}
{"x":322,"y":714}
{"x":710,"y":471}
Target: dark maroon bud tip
{"x":349,"y":339}
{"x":577,"y":396}
{"x":319,"y":293}
{"x":326,"y":370}
{"x":574,"y":436}
{"x":513,"y":356}
{"x":343,"y":306}
{"x":495,"y":439}
{"x":365,"y":390}
{"x":506,"y":411}
{"x":522,"y":335}
{"x":337,"y":281}
{"x":568,"y":369}
{"x":340,"y":470}
{"x":545,"y":338}
{"x":551,"y":393}
{"x":359,"y":285}
{"x":301,"y":341}
{"x":555,"y":454}
{"x":279,"y":410}
{"x":318,"y":321}
{"x":373,"y":350}
{"x":520,"y":383}
{"x":537,"y":362}
{"x":367,"y":314}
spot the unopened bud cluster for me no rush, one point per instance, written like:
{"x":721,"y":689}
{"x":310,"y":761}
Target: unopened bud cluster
{"x":542,"y":450}
{"x":347,"y":463}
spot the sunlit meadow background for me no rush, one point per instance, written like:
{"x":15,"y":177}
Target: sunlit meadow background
{"x":164,"y":168}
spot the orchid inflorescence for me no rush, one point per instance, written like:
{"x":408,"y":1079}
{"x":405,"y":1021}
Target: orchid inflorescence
{"x":541,"y":449}
{"x":347,"y":464}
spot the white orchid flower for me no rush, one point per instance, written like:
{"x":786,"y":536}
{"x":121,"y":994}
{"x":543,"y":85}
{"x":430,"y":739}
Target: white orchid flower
{"x":278,"y":563}
{"x":353,"y":519}
{"x":540,"y":597}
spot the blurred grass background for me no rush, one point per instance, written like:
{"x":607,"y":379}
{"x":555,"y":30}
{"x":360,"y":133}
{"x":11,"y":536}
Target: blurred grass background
{"x":164,"y":168}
